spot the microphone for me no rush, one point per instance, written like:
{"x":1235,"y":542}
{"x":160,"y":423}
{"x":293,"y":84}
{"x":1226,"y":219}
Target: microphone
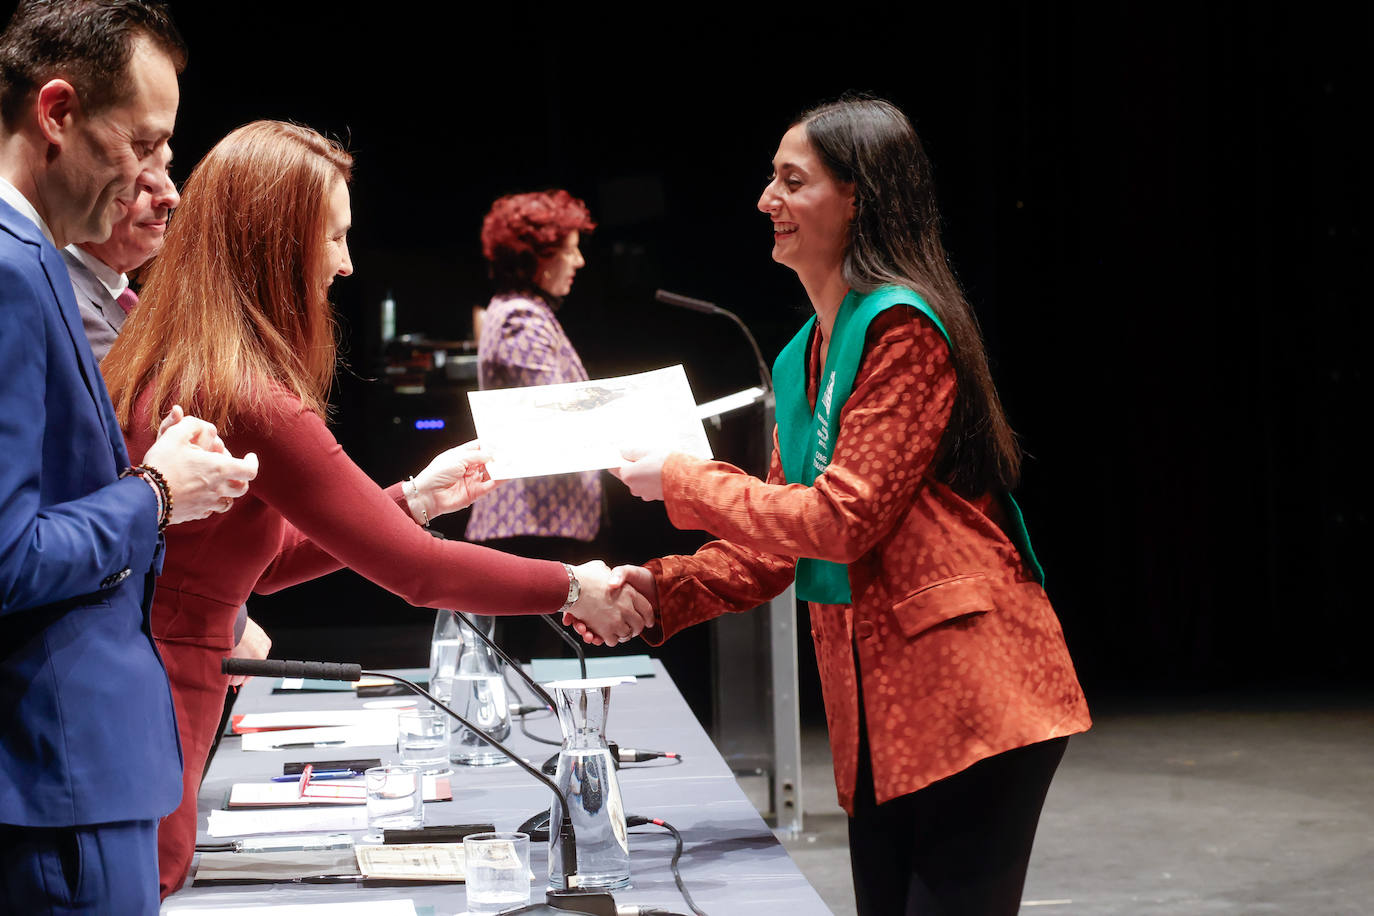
{"x":570,"y":898}
{"x":710,"y":308}
{"x":687,"y":302}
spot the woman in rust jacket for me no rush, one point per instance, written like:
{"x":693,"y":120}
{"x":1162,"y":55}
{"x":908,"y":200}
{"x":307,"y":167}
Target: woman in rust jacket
{"x":949,"y":691}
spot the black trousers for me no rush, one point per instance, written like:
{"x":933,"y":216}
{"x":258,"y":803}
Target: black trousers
{"x":958,"y":847}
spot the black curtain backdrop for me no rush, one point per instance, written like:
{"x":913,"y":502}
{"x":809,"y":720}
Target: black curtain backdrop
{"x":1158,"y":214}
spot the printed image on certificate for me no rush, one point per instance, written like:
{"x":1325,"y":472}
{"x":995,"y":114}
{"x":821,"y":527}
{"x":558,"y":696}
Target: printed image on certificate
{"x":583,"y":426}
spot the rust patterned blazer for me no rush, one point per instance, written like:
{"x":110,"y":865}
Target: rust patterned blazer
{"x":960,"y":654}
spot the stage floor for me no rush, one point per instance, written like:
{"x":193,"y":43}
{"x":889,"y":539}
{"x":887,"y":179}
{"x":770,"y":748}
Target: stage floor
{"x":1232,"y":805}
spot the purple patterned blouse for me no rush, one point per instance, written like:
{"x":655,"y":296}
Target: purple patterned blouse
{"x":523,"y":344}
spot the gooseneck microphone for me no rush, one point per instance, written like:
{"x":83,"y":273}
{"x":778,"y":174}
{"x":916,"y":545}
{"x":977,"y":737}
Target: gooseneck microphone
{"x":571,"y":898}
{"x":570,"y":640}
{"x":710,"y":308}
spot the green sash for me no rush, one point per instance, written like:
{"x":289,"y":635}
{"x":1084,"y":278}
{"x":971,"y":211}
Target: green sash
{"x":806,"y":440}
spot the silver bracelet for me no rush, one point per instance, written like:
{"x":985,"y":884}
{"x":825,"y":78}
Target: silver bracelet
{"x":574,"y":590}
{"x":415,"y":492}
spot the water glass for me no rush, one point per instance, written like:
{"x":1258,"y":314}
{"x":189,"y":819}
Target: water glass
{"x":497,"y":866}
{"x":395,"y":799}
{"x":422,"y":740}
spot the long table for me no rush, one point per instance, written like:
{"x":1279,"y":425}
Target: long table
{"x":731,"y":863}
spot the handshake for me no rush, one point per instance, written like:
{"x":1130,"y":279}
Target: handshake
{"x":615,"y":605}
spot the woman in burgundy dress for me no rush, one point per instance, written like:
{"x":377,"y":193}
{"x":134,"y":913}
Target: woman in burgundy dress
{"x":236,"y":326}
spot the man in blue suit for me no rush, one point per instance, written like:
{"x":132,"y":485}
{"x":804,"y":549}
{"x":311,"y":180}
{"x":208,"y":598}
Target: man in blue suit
{"x":89,"y":758}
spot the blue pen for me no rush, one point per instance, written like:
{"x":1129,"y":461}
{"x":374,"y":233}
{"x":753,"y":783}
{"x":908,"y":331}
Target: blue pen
{"x":319,"y":774}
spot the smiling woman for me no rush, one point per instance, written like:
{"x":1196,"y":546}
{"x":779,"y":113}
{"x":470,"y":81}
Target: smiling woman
{"x":236,"y":323}
{"x":949,"y":692}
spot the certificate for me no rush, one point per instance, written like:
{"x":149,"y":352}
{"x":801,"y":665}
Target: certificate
{"x":584,"y":426}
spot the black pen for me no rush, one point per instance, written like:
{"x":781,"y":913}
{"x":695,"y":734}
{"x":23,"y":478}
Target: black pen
{"x":298,"y":744}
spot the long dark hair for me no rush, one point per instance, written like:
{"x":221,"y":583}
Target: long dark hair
{"x":895,"y":239}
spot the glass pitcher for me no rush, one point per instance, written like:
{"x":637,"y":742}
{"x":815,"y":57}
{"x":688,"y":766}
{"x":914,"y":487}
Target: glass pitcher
{"x":587,"y":777}
{"x":478,"y":688}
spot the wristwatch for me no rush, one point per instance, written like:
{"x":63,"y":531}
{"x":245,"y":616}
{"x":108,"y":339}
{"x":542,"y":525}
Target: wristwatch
{"x":574,"y":590}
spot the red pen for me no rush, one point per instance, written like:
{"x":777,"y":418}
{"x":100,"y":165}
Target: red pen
{"x":305,"y":778}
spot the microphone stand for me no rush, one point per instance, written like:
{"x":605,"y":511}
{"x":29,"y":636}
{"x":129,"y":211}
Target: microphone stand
{"x":710,"y":308}
{"x":558,"y":900}
{"x":570,"y":640}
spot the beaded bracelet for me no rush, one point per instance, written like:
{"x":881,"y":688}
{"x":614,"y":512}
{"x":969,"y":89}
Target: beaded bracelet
{"x":159,"y":485}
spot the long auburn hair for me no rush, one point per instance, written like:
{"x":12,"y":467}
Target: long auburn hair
{"x":234,"y":303}
{"x":895,"y":239}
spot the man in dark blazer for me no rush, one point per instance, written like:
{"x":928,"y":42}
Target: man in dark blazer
{"x":100,"y":278}
{"x":89,"y":758}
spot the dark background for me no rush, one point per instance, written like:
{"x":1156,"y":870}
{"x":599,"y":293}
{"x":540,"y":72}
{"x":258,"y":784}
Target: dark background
{"x":1159,"y":218}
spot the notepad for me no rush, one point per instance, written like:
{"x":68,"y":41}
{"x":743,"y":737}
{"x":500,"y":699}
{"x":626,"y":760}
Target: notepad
{"x":313,"y":718}
{"x":380,"y":732}
{"x":331,"y":792}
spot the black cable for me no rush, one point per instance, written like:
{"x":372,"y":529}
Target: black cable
{"x":524,"y":728}
{"x":525,"y":708}
{"x":677,"y":854}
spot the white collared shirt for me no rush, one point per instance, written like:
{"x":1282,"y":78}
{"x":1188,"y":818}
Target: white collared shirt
{"x":113,"y":281}
{"x":10,"y":195}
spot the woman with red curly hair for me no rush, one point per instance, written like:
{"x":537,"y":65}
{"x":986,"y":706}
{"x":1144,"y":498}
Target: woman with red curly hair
{"x":531,"y":242}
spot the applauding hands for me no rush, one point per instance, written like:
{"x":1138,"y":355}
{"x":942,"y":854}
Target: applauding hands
{"x":624,"y":584}
{"x":201,"y":475}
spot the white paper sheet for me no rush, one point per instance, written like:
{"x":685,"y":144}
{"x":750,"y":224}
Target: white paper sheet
{"x":322,"y":819}
{"x":379,"y":733}
{"x":583,"y":426}
{"x":369,"y":907}
{"x":312,"y":718}
{"x":323,"y":792}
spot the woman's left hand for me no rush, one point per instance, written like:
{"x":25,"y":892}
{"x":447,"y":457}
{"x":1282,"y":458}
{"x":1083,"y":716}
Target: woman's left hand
{"x":255,"y":643}
{"x":642,"y":472}
{"x":452,"y":481}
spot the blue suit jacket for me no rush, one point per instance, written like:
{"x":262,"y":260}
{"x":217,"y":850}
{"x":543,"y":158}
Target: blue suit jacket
{"x":87,"y":731}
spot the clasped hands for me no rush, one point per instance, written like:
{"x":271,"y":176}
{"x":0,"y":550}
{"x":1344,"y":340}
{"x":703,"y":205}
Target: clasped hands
{"x":201,"y":475}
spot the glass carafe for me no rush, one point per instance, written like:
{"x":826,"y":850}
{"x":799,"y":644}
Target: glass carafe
{"x":479,"y":695}
{"x":587,"y":777}
{"x":444,"y":646}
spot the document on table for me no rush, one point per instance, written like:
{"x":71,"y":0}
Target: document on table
{"x":369,"y":907}
{"x":313,"y":718}
{"x":250,"y":867}
{"x":378,"y":732}
{"x":412,"y":861}
{"x":583,"y":426}
{"x":325,"y":819}
{"x":325,"y":792}
{"x":566,"y":669}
